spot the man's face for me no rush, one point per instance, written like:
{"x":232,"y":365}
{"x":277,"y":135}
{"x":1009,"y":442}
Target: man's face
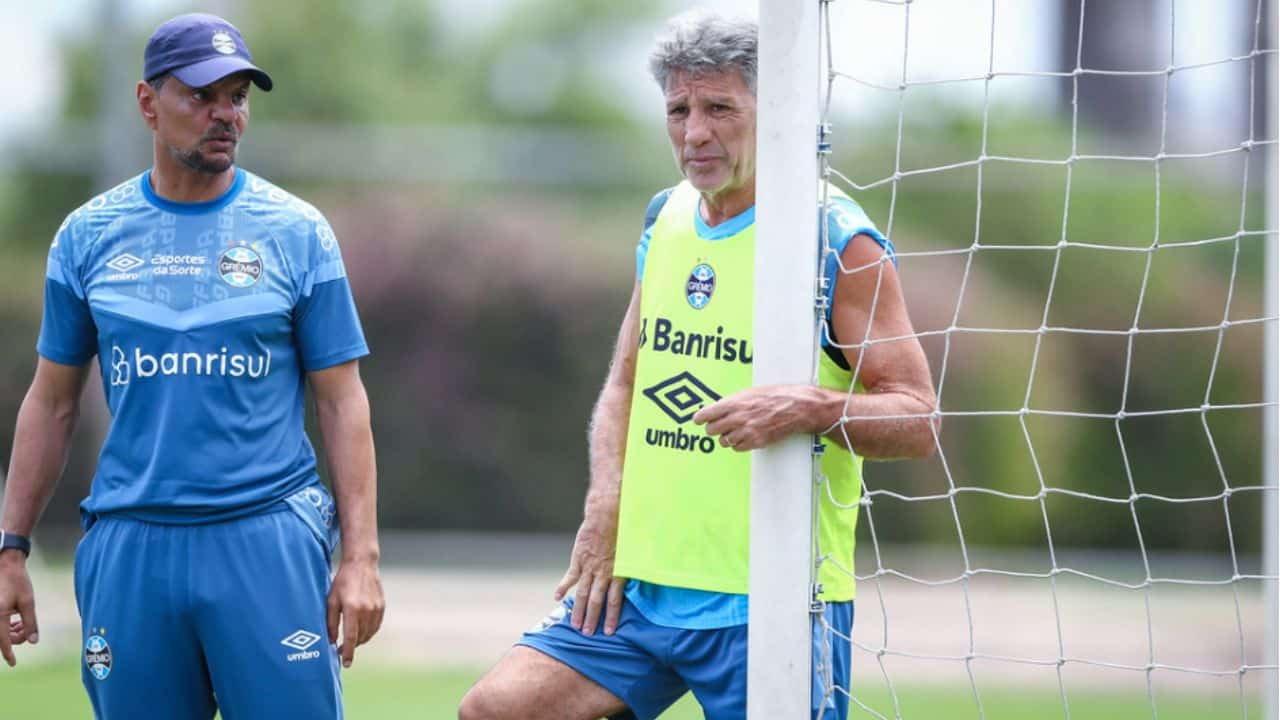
{"x":711,"y":120}
{"x":201,"y":127}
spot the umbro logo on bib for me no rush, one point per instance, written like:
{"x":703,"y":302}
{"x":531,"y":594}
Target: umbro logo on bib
{"x":681,"y":396}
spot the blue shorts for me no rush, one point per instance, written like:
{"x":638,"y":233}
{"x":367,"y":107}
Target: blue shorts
{"x":649,"y":666}
{"x":181,"y":621}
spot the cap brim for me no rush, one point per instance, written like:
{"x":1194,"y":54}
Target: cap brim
{"x":208,"y":72}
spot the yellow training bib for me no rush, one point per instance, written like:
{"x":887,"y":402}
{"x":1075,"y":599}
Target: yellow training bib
{"x":685,"y":509}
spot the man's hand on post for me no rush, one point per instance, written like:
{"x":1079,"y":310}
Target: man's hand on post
{"x":16,"y":597}
{"x":591,"y":567}
{"x":357,"y":604}
{"x":759,"y":416}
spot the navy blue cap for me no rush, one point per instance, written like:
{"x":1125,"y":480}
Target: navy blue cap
{"x":199,"y":50}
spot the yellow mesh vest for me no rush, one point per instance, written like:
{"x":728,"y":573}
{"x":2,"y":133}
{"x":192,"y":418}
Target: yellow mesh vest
{"x":685,"y":509}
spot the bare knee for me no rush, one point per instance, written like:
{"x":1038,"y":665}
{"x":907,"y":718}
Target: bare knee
{"x":480,"y":703}
{"x":528,"y":685}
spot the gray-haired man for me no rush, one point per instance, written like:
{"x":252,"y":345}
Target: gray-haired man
{"x":662,"y":550}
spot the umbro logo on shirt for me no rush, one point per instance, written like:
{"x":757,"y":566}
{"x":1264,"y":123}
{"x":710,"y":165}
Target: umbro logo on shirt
{"x":124,"y":263}
{"x":128,"y":266}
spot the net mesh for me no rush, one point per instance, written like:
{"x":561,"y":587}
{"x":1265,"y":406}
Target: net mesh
{"x":1153,"y":615}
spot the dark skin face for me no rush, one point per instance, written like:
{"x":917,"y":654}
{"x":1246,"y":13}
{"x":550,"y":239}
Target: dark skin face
{"x":196,"y":130}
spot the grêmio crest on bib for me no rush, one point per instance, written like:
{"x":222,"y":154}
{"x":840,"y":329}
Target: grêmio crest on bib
{"x":700,"y":286}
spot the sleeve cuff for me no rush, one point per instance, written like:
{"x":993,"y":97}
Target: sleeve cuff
{"x":63,"y":357}
{"x":335,"y":358}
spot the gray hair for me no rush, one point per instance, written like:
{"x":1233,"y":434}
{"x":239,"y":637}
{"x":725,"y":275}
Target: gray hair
{"x":700,"y":41}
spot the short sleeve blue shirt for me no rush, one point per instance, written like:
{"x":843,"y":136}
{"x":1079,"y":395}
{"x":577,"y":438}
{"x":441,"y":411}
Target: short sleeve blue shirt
{"x":205,"y":318}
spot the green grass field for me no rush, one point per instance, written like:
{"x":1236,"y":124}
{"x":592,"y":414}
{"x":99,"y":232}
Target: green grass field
{"x":53,"y":692}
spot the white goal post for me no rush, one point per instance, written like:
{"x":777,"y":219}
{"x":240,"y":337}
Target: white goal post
{"x":779,"y":657}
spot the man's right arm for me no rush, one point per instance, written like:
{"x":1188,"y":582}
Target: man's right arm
{"x":591,"y":564}
{"x":46,"y":420}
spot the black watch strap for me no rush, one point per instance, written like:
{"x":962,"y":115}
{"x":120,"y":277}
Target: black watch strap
{"x":17,"y":542}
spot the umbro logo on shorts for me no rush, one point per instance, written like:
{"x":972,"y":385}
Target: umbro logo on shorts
{"x":300,"y":641}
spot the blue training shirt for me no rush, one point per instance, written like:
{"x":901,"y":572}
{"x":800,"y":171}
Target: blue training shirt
{"x":204,"y":317}
{"x":689,"y":608}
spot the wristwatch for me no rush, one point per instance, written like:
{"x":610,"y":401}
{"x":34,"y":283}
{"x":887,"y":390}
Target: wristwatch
{"x":17,"y":542}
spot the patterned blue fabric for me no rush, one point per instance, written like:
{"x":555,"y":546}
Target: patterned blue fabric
{"x":205,"y":317}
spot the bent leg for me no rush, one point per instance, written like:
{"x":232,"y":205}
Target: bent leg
{"x":557,"y":673}
{"x":527,"y":684}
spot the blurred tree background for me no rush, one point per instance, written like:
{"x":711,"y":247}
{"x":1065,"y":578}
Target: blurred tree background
{"x":488,"y":187}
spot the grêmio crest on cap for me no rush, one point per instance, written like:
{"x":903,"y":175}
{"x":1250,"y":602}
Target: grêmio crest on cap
{"x":200,"y":49}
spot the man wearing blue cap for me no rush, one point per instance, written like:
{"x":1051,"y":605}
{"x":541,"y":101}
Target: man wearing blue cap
{"x":212,"y":298}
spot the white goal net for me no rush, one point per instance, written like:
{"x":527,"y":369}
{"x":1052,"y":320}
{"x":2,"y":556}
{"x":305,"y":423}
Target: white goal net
{"x":1084,"y":239}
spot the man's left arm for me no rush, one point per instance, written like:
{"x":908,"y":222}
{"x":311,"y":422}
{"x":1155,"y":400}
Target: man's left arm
{"x":355,"y":600}
{"x":894,"y":413}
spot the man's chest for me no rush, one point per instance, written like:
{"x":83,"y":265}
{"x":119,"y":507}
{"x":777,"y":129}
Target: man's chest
{"x":171,"y":266}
